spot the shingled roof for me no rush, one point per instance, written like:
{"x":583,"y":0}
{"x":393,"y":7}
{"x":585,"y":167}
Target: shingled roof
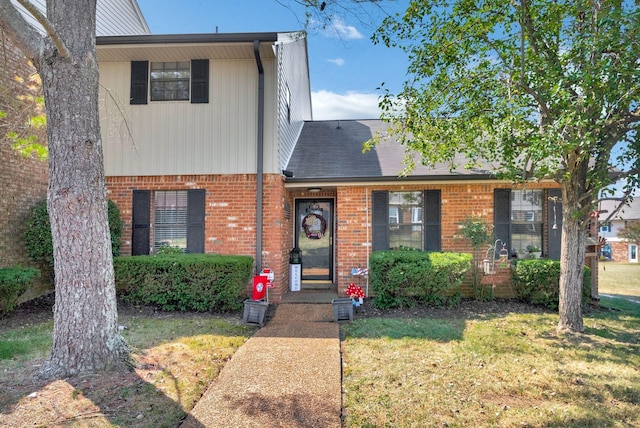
{"x":332,"y":151}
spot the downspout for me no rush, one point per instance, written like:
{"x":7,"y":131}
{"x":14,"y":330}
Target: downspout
{"x":260,"y":154}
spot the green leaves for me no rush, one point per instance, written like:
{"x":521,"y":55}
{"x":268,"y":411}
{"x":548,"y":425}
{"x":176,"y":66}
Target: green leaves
{"x":523,"y":84}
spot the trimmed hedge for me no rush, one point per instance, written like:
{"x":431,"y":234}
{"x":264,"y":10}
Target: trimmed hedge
{"x":405,"y":278}
{"x":13,"y":283}
{"x":184,"y":282}
{"x":537,"y":281}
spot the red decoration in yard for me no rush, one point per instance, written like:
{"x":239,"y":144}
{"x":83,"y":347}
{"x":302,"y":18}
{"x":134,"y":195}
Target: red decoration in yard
{"x":355,"y":292}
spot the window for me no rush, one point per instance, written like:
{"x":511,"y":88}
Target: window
{"x":170,"y":80}
{"x":288,"y":101}
{"x":394,"y":216}
{"x":406,"y":229}
{"x":520,"y":217}
{"x":406,"y":220}
{"x":168,"y":217}
{"x":526,"y":220}
{"x":605,"y":227}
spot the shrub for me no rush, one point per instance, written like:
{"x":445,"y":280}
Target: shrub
{"x":38,"y":235}
{"x":168,"y":249}
{"x":405,"y":278}
{"x":197,"y":282}
{"x":537,"y":281}
{"x":13,"y":283}
{"x":115,"y":227}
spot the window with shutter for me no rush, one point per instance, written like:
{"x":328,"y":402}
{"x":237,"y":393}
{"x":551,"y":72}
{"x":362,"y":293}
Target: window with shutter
{"x":139,"y":82}
{"x":140,"y":235}
{"x":170,"y":81}
{"x":406,"y":220}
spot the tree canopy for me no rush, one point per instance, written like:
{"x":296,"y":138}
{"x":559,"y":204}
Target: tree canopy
{"x":545,"y":89}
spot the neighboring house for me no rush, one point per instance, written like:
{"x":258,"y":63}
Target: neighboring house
{"x":210,"y":146}
{"x":23,"y":180}
{"x":615,"y":248}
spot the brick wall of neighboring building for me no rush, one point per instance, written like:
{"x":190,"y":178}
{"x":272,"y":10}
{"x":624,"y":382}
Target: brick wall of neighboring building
{"x":619,"y":251}
{"x":230,"y":219}
{"x":23,"y":180}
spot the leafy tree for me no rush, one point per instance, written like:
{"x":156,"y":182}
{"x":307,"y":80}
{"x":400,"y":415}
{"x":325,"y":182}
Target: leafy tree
{"x":22,"y":118}
{"x":542,"y":88}
{"x":85,"y":336}
{"x":630,"y":232}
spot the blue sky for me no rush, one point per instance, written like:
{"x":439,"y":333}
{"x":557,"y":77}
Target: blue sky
{"x":346,"y":68}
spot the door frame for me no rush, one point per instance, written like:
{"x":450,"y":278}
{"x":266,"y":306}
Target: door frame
{"x":331,"y":226}
{"x":632,"y":252}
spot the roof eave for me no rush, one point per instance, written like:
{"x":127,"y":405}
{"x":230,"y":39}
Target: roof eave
{"x":143,"y":39}
{"x":379,"y":179}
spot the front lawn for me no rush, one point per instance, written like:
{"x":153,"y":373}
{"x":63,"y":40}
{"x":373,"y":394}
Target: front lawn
{"x":499,"y":368}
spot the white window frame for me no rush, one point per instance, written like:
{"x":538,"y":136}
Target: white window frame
{"x":170,"y":75}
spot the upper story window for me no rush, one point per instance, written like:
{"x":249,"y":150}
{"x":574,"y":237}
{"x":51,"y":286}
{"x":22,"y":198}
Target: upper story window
{"x":605,"y":227}
{"x":170,"y":80}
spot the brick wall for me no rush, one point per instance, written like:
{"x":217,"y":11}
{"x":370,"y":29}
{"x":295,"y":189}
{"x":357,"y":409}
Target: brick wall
{"x":353,"y":224}
{"x":23,"y":181}
{"x":230,"y":219}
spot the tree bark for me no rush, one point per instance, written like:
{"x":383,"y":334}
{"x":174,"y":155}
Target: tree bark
{"x":85,"y":337}
{"x":573,"y":250}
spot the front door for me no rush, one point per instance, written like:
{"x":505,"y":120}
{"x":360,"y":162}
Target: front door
{"x":314,"y":238}
{"x":633,"y":253}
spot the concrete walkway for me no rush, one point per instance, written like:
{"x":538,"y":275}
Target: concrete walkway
{"x":287,"y":375}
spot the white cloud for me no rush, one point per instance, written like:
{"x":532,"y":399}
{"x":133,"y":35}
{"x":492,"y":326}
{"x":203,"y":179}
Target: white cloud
{"x":352,"y":105}
{"x":337,"y":28}
{"x":337,"y":61}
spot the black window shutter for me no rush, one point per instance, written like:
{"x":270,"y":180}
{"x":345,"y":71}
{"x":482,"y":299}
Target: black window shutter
{"x":554,"y":235}
{"x":380,"y":224}
{"x":432,"y":220}
{"x":199,"y":81}
{"x":195,"y":220}
{"x":139,"y":82}
{"x":141,"y":222}
{"x":502,"y":216}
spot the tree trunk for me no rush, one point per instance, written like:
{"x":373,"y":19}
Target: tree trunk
{"x":573,"y":250}
{"x":85,"y":337}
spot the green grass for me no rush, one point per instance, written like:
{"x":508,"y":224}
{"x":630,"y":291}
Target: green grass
{"x":501,"y":371}
{"x":622,"y":279}
{"x":177,"y":356}
{"x":26,"y":343}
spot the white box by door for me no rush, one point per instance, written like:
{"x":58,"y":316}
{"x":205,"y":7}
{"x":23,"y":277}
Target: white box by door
{"x":295,"y":272}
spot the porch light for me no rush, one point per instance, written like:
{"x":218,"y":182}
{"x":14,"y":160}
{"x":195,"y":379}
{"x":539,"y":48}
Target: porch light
{"x":314,"y":189}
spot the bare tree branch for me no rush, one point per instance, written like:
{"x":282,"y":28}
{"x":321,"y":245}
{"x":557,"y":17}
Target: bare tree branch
{"x":24,"y":35}
{"x":48,"y":27}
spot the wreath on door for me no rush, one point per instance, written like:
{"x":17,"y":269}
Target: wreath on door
{"x":314,"y":226}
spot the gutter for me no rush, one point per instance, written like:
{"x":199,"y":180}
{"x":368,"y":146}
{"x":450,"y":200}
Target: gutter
{"x":144,"y":39}
{"x":260,"y":155}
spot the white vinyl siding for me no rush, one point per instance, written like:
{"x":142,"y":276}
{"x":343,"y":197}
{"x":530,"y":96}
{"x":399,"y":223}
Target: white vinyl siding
{"x":113,"y":17}
{"x":294,"y":98}
{"x":172,"y":138}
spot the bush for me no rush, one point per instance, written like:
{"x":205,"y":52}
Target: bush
{"x":13,"y":283}
{"x":185,"y":282}
{"x":537,"y":281}
{"x":38,"y":235}
{"x":405,"y":278}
